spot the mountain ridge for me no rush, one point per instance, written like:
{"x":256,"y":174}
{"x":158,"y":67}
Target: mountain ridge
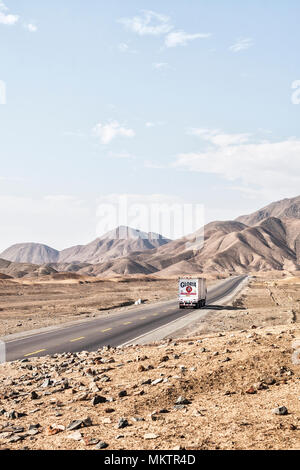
{"x":116,"y":243}
{"x":266,"y":242}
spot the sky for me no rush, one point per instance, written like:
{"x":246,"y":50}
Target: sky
{"x":193,"y":103}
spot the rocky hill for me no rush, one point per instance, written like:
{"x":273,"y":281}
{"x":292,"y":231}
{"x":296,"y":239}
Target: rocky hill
{"x":286,"y":208}
{"x":115,"y":244}
{"x":34,"y":253}
{"x":267,"y":240}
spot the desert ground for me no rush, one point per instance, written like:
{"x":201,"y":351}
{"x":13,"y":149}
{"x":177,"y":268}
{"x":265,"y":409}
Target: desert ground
{"x":27,"y":304}
{"x":233,"y":384}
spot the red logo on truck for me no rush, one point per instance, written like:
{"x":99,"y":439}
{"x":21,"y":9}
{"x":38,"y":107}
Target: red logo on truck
{"x":189,"y":289}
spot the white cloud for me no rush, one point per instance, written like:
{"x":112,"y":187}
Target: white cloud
{"x":218,"y":137}
{"x":181,"y":38}
{"x":7,"y":18}
{"x":269,"y":168}
{"x":149,"y":23}
{"x":155,"y":24}
{"x":242,"y":44}
{"x":108,"y":132}
{"x":32,"y":28}
{"x":161,"y":66}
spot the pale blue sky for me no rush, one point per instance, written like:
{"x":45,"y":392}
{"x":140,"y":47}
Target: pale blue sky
{"x":190,"y":99}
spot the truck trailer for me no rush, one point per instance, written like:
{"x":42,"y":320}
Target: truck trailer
{"x":192,"y":292}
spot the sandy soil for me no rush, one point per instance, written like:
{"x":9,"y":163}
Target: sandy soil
{"x":32,"y":304}
{"x":233,"y":381}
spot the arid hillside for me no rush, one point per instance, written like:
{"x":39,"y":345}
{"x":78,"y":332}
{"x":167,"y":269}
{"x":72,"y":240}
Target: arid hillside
{"x":264,"y":241}
{"x":32,"y":253}
{"x":231,"y":247}
{"x":115,"y":244}
{"x":286,"y":208}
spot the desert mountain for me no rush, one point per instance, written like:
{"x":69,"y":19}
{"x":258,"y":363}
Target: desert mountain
{"x":231,"y":247}
{"x":286,"y":208}
{"x":21,"y":270}
{"x":118,"y":243}
{"x":115,"y":244}
{"x":34,"y":253}
{"x":267,"y":240}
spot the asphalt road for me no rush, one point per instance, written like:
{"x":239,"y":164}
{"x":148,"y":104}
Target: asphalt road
{"x":114,"y":330}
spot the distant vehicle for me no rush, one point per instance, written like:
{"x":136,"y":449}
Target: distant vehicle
{"x":192,"y":292}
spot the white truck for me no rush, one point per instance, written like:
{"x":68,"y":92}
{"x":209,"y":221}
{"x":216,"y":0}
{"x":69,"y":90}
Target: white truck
{"x":192,"y":292}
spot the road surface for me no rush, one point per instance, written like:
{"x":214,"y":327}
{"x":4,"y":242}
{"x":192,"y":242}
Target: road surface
{"x":114,"y":330}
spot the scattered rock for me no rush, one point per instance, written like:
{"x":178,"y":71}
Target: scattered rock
{"x":182,"y":401}
{"x":164,"y":359}
{"x":269,"y":381}
{"x":109,"y":410}
{"x":75,"y":425}
{"x":102,"y":445}
{"x":90,"y":441}
{"x":106,"y":421}
{"x":15,"y":439}
{"x":80,"y":423}
{"x":150,"y":436}
{"x":280,"y":411}
{"x":157,"y":381}
{"x":97,"y":400}
{"x":75,"y":436}
{"x":123,"y":423}
{"x":138,"y":419}
{"x":54,"y":429}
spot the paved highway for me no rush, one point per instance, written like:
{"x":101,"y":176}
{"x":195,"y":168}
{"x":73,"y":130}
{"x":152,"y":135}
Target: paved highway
{"x":114,"y":329}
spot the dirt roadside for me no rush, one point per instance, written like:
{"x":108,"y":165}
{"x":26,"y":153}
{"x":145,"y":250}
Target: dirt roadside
{"x":30,"y":304}
{"x":226,"y":388}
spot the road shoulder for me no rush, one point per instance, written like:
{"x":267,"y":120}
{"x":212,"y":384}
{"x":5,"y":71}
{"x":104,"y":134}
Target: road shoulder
{"x":183,"y":326}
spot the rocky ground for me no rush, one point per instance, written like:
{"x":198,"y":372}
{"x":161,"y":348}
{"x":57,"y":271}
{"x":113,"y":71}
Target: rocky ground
{"x":236,"y":388}
{"x":237,"y":391}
